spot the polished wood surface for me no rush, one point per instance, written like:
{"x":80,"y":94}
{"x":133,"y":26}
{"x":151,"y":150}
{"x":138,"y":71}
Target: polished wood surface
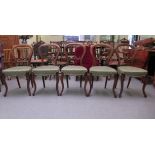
{"x":9,"y":40}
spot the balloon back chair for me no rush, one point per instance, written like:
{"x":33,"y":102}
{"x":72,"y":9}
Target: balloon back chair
{"x":74,"y":54}
{"x":127,"y":55}
{"x":21,"y":57}
{"x":105,"y":70}
{"x":49,"y":52}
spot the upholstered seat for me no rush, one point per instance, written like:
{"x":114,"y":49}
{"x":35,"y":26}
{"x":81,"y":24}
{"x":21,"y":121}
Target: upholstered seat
{"x":132,"y":71}
{"x":45,"y":70}
{"x":74,"y":70}
{"x":102,"y":71}
{"x":17,"y":71}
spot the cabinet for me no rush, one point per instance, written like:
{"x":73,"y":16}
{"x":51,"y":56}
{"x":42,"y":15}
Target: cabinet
{"x":9,"y":40}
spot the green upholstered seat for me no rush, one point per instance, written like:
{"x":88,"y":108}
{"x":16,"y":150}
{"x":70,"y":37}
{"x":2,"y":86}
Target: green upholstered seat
{"x":45,"y":70}
{"x":132,"y":71}
{"x":17,"y":71}
{"x":74,"y":70}
{"x":102,"y":71}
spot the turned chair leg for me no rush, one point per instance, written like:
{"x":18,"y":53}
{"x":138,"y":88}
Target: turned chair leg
{"x":3,"y":79}
{"x":122,"y":84}
{"x":18,"y":82}
{"x":57,"y":83}
{"x":88,"y":79}
{"x":67,"y":77}
{"x":80,"y":81}
{"x":43,"y":79}
{"x":28,"y":83}
{"x":129,"y":82}
{"x":114,"y":85}
{"x":92,"y":81}
{"x":144,"y":80}
{"x":62,"y":83}
{"x":106,"y":82}
{"x":34,"y":84}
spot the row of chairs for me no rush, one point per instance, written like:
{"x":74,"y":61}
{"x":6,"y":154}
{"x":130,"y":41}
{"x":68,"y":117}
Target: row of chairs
{"x":117,"y":62}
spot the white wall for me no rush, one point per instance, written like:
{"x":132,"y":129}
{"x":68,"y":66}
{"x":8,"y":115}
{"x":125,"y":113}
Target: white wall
{"x":48,"y":38}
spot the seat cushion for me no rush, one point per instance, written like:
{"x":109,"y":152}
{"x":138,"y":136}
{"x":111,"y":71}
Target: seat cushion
{"x":132,"y":71}
{"x":45,"y":70}
{"x":17,"y":71}
{"x":102,"y":71}
{"x":74,"y":70}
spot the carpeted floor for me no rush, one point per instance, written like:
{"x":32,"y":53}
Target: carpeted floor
{"x":74,"y":104}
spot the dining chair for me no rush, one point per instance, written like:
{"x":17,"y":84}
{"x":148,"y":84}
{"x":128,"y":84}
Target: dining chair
{"x":76,"y":68}
{"x":21,"y":56}
{"x":49,"y":52}
{"x":105,"y":70}
{"x":126,"y":57}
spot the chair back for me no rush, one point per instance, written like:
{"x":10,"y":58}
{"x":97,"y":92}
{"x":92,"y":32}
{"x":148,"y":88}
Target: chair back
{"x":49,"y":52}
{"x":22,"y":54}
{"x":125,"y":54}
{"x":74,"y":53}
{"x":101,"y":54}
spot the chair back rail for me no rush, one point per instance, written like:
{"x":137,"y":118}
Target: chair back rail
{"x":49,"y":52}
{"x":22,"y":54}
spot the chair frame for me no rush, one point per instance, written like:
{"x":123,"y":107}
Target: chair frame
{"x":73,"y":45}
{"x":90,"y":77}
{"x":122,"y":76}
{"x":51,"y":60}
{"x":19,"y":60}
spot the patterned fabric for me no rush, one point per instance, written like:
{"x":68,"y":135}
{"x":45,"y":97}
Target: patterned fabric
{"x":45,"y":70}
{"x":132,"y":71}
{"x":102,"y":71}
{"x":17,"y":71}
{"x":74,"y":70}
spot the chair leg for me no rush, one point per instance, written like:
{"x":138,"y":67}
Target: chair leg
{"x":144,"y":79}
{"x":117,"y":77}
{"x":80,"y":81}
{"x":97,"y":78}
{"x":114,"y":85}
{"x":129,"y":82}
{"x":57,"y":83}
{"x":62,"y":83}
{"x":34,"y":84}
{"x":1,"y":85}
{"x":67,"y":77}
{"x":43,"y":79}
{"x":31,"y":81}
{"x":88,"y":78}
{"x":3,"y":79}
{"x":106,"y":82}
{"x":122,"y":84}
{"x":18,"y":82}
{"x":28,"y":83}
{"x":92,"y":81}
